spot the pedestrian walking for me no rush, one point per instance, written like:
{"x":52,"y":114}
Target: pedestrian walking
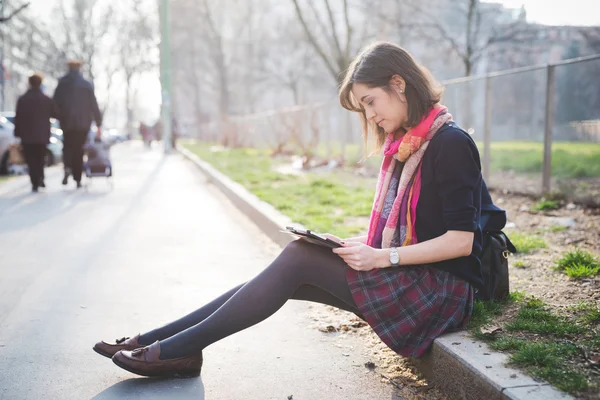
{"x":77,"y":107}
{"x":32,"y":125}
{"x":412,"y":277}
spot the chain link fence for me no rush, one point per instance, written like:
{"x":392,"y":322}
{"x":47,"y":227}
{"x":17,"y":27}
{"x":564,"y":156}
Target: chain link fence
{"x":537,"y":128}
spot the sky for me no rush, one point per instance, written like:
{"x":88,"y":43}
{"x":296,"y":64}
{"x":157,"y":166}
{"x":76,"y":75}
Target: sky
{"x":560,"y":12}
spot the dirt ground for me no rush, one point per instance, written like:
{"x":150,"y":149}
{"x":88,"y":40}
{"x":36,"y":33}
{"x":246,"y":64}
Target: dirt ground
{"x":391,"y":368}
{"x":537,"y":277}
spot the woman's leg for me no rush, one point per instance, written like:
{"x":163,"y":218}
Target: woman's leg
{"x":298,"y":265}
{"x":304,"y":292}
{"x":189,"y":320}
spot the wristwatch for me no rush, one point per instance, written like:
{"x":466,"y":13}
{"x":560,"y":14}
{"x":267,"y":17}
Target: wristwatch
{"x":394,"y":256}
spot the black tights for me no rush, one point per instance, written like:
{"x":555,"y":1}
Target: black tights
{"x":302,"y":271}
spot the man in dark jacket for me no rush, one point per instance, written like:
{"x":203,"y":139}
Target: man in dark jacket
{"x":77,"y":107}
{"x":32,"y":125}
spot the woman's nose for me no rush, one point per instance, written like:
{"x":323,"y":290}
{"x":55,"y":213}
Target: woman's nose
{"x":370,"y":114}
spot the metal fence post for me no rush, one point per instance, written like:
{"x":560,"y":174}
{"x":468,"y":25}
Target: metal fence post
{"x":549,"y":122}
{"x":487,"y":130}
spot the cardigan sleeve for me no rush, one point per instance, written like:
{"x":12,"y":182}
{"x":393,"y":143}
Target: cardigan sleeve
{"x":457,"y":172}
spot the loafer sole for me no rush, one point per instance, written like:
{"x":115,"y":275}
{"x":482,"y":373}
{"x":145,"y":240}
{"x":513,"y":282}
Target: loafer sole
{"x":182,"y":374}
{"x":102,"y":353}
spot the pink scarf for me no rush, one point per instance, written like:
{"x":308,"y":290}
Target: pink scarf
{"x":410,"y":150}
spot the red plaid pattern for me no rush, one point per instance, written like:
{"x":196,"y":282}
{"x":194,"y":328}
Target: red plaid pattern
{"x":408,"y":307}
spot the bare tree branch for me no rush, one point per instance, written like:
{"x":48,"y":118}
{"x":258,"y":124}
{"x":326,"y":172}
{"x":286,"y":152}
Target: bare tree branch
{"x":348,"y":30}
{"x":337,"y":47}
{"x":15,"y":12}
{"x":314,"y":42}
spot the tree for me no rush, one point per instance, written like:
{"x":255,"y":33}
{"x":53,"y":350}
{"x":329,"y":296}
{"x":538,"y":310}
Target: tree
{"x":331,"y":36}
{"x":84,"y":27}
{"x":591,"y":36}
{"x":137,"y":50}
{"x":468,"y":28}
{"x":12,"y":14}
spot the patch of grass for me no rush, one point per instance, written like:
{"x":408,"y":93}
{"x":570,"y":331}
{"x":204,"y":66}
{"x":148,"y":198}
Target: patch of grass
{"x":533,"y":317}
{"x":582,"y":271}
{"x":589,"y":312}
{"x":544,"y":359}
{"x":558,"y":228}
{"x":564,"y":379}
{"x":578,"y":264}
{"x":527,"y":243}
{"x":323,"y":202}
{"x":508,"y":343}
{"x":485,"y":311}
{"x":575,"y":257}
{"x":548,"y":360}
{"x":545,"y":205}
{"x":569,"y":160}
{"x":519,"y":264}
{"x":534,"y":354}
{"x":534,"y":338}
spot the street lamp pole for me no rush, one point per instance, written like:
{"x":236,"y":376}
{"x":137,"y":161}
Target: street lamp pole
{"x":165,"y":72}
{"x":2,"y":71}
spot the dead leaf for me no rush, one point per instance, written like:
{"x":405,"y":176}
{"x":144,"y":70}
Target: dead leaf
{"x":328,"y":329}
{"x":491,"y":329}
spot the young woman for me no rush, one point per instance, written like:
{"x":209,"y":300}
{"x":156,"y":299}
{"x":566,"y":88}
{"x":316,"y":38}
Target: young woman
{"x":411,"y":278}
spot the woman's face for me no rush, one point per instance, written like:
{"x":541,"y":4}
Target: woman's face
{"x":388,"y":110}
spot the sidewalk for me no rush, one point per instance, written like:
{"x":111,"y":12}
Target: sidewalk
{"x":78,"y":266}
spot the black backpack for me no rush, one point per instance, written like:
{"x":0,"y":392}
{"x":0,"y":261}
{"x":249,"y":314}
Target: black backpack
{"x":494,"y":266}
{"x":496,"y":247}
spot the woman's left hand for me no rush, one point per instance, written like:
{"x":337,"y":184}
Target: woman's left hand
{"x":358,"y":256}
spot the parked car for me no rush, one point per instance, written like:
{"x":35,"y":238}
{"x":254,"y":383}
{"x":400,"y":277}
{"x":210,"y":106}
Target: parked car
{"x":54,"y":148}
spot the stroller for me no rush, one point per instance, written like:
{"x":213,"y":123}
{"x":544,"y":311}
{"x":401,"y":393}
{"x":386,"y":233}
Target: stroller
{"x":98,"y":162}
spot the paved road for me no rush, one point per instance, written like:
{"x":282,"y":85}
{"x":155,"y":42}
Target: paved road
{"x":80,"y":266}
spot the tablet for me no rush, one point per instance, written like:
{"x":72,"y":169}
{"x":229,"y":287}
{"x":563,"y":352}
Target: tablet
{"x":312,"y":237}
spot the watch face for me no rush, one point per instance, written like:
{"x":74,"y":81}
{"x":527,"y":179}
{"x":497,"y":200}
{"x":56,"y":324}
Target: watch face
{"x":394,"y":258}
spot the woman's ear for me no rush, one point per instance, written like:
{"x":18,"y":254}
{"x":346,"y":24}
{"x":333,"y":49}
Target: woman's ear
{"x":398,"y":84}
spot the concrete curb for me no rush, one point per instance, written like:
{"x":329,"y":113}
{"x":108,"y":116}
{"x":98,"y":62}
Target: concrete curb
{"x":461,"y":366}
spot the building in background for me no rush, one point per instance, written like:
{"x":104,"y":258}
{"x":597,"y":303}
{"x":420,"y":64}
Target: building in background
{"x":26,"y":47}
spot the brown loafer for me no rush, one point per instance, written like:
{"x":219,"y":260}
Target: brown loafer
{"x":109,"y":349}
{"x":146,"y":362}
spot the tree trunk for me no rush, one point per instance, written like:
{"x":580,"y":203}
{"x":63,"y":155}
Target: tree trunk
{"x":129,"y":128}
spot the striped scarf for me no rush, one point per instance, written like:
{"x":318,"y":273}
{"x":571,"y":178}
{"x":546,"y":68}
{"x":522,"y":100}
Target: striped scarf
{"x":409,"y":150}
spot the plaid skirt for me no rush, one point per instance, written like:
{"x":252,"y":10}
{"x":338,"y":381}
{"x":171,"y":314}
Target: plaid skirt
{"x":408,"y":307}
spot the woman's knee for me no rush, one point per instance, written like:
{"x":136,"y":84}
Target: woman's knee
{"x":301,"y":251}
{"x":295,"y":255}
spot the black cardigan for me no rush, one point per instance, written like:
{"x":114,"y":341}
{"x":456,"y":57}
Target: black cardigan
{"x":451,"y":197}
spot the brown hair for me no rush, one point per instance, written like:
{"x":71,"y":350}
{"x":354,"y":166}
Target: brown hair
{"x":35,"y":81}
{"x":375,"y":66}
